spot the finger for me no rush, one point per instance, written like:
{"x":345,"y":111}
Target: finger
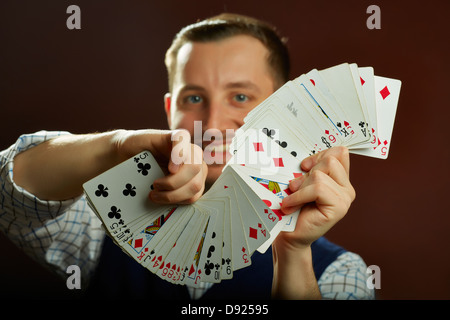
{"x":296,"y":183}
{"x":319,"y":188}
{"x":183,"y":152}
{"x":298,"y":199}
{"x":332,"y":167}
{"x":181,"y":177}
{"x":341,"y":153}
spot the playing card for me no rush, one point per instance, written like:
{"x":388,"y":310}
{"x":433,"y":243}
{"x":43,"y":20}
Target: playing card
{"x":339,"y":80}
{"x":282,"y":131}
{"x":120,"y":195}
{"x":348,"y":133}
{"x":194,"y":269}
{"x":367,"y":78}
{"x":387,"y":92}
{"x":211,"y":256}
{"x":263,"y":153}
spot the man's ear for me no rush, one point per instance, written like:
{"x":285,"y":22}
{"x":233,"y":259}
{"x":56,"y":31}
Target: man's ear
{"x":167,"y":105}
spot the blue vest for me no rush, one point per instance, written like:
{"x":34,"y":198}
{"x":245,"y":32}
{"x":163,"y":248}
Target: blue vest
{"x":119,"y":276}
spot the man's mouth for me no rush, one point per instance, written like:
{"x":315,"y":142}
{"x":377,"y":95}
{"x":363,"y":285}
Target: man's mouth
{"x":216,"y":153}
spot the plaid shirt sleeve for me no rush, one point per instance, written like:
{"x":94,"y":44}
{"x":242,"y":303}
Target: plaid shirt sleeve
{"x":57,"y":234}
{"x":346,"y":279}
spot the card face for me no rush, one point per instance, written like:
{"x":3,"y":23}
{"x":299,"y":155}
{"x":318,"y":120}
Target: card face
{"x":120,"y":195}
{"x":340,"y":82}
{"x":264,"y":154}
{"x":342,"y":121}
{"x":211,"y":256}
{"x":138,"y":244}
{"x":283,"y":132}
{"x":387,"y":92}
{"x":367,"y":78}
{"x":222,"y":201}
{"x":193,"y":269}
{"x":271,"y":192}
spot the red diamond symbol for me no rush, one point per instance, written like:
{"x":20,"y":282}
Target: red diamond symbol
{"x":385,"y":142}
{"x":312,"y":81}
{"x":253,"y":233}
{"x":138,"y":243}
{"x":278,"y":162}
{"x":384,"y":92}
{"x":362,"y":81}
{"x":258,"y":146}
{"x":327,"y":132}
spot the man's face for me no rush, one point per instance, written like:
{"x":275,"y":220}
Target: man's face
{"x":218,"y":83}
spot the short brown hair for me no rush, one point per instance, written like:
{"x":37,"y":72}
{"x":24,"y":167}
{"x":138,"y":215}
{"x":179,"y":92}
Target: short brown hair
{"x":226,"y":25}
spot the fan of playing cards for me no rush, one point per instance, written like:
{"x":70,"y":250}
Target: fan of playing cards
{"x":207,"y":241}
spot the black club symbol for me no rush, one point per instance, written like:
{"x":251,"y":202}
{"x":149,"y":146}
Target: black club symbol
{"x":143,"y":168}
{"x":268,"y":132}
{"x":129,"y":190}
{"x":208,"y":267}
{"x":282,"y":144}
{"x":102,"y":191}
{"x":114,"y":213}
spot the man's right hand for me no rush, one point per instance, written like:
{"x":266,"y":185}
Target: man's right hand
{"x":182,"y":161}
{"x":56,"y":169}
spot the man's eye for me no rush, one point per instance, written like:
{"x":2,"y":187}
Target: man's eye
{"x":241,"y":98}
{"x":193,"y":99}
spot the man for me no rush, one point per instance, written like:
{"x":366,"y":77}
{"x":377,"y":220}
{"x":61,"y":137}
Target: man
{"x":219,"y":69}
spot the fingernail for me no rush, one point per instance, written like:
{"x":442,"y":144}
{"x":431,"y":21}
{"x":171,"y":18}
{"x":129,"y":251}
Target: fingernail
{"x":174,"y":167}
{"x":154,"y":196}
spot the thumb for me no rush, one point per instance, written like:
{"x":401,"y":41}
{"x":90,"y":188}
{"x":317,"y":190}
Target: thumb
{"x":183,"y":152}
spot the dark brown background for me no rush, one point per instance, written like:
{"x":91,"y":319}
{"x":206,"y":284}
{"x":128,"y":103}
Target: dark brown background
{"x":110,"y":74}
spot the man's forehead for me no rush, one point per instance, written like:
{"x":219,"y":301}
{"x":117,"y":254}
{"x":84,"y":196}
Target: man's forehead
{"x":241,"y":41}
{"x":238,"y":58}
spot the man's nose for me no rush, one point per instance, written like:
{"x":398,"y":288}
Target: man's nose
{"x":215,"y":116}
